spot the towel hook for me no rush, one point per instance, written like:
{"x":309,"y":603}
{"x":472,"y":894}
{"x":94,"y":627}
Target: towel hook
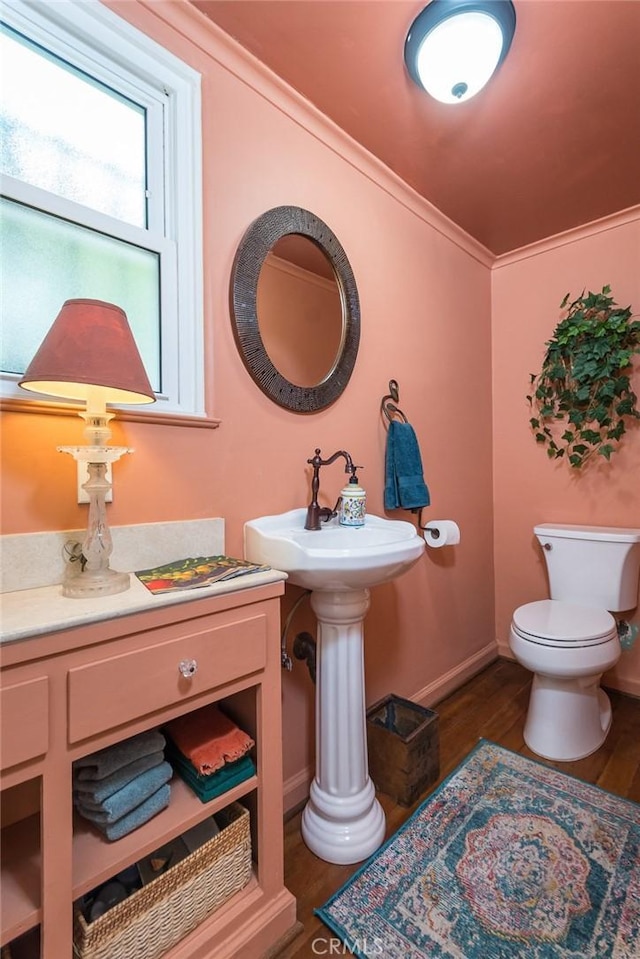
{"x":388,"y":402}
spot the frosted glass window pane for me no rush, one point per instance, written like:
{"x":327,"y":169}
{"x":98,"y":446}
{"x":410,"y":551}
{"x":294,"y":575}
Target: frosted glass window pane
{"x":45,"y":261}
{"x":68,"y":134}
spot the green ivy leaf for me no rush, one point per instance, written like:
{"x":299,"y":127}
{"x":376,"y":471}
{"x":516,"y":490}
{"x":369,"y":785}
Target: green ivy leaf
{"x":606,"y":450}
{"x":625,"y":406}
{"x":617,"y":431}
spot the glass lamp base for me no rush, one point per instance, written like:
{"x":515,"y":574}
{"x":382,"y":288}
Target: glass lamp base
{"x":94,"y":583}
{"x":96,"y":577}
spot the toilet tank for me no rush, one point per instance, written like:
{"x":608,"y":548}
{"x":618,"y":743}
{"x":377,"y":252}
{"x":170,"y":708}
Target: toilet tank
{"x":592,"y":565}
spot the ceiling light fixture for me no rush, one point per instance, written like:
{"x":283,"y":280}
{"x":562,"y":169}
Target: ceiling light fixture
{"x":454,"y":46}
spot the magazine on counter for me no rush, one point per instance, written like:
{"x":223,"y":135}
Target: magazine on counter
{"x":196,"y":572}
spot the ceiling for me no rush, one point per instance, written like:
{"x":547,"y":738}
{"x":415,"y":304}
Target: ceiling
{"x":551,"y":143}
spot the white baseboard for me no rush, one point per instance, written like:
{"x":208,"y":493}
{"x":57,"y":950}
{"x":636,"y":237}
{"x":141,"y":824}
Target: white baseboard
{"x":456,"y":677}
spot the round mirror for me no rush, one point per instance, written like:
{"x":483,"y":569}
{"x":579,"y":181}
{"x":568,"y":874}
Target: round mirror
{"x":295,"y":309}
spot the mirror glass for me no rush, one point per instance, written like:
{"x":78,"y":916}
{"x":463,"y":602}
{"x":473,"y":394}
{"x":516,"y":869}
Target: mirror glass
{"x":295,"y":309}
{"x":299,"y":310}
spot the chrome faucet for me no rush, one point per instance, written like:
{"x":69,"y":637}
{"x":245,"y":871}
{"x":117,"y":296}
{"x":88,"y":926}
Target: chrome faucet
{"x":315,"y":512}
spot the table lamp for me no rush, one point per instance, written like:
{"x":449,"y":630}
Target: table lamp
{"x":90,"y":354}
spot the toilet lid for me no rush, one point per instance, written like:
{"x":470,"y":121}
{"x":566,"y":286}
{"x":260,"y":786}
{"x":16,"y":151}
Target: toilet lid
{"x":554,"y":623}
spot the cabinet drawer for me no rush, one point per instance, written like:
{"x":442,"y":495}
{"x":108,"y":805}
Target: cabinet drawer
{"x":115,"y":691}
{"x":24,"y":721}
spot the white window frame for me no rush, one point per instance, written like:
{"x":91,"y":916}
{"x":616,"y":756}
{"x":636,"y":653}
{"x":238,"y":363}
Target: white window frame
{"x":92,"y":37}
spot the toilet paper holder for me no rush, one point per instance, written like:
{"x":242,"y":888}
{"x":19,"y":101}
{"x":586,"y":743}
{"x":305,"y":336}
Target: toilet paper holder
{"x":443,"y":532}
{"x":438,"y":532}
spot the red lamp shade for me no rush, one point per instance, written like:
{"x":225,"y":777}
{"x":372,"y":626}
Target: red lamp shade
{"x":89,"y":346}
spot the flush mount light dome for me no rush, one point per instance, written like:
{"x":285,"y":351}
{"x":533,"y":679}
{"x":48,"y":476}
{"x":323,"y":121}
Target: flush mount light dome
{"x":454,"y":46}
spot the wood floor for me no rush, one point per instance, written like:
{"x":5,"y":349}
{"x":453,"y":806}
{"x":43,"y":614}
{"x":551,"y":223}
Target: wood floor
{"x":490,"y":706}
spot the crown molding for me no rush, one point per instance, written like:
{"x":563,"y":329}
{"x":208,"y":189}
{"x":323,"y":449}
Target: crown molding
{"x":611,"y":222}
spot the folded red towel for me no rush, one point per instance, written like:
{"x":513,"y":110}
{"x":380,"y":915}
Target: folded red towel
{"x":208,"y":738}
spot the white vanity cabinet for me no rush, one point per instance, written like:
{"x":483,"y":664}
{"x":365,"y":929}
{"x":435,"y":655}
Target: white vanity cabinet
{"x":70,"y":691}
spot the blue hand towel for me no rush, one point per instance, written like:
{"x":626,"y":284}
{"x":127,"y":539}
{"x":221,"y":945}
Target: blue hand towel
{"x":404,"y":483}
{"x":126,"y":799}
{"x":391,"y":497}
{"x":106,"y":761}
{"x":140,"y":815}
{"x":100,"y":789}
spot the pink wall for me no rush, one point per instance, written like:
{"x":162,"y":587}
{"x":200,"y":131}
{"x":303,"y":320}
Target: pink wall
{"x":529,"y":488}
{"x":425,"y":304}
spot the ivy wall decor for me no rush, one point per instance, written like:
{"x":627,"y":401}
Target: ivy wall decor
{"x":582,"y":400}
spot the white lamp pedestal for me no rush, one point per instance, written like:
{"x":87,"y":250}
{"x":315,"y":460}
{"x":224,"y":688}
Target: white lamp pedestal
{"x":96,"y":578}
{"x":343,"y":821}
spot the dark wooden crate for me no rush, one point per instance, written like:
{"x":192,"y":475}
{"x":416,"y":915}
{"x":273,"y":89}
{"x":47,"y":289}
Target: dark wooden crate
{"x":403,"y":748}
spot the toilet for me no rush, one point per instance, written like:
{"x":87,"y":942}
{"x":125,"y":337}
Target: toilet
{"x":568,"y":641}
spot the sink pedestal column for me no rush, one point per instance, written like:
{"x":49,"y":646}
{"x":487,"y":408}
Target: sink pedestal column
{"x":343,"y":821}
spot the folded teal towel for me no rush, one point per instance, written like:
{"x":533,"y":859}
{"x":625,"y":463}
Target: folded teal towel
{"x":98,"y":790}
{"x":126,"y":799}
{"x":140,"y":815}
{"x":208,"y":787}
{"x":107,"y":761}
{"x":404,"y":487}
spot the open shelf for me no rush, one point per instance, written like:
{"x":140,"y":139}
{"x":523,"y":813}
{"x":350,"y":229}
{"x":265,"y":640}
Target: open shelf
{"x":20,"y":878}
{"x":95,"y":859}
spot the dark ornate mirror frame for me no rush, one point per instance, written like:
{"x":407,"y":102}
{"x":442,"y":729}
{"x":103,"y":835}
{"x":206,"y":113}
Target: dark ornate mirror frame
{"x":252,"y":251}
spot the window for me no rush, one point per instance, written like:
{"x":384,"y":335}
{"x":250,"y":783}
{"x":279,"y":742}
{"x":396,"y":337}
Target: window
{"x":100,"y":152}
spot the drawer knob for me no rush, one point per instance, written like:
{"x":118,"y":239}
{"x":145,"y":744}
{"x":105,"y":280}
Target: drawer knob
{"x":187,"y":668}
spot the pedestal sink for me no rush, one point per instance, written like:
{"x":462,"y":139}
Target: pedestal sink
{"x":343,"y":822}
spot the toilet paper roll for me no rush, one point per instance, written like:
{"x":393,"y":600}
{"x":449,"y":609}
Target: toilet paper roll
{"x":441,"y":532}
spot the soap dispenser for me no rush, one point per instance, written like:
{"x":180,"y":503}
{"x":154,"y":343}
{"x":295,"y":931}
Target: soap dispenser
{"x":353,"y":501}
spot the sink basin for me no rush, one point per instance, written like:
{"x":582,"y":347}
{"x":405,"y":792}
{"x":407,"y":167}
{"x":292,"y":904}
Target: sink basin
{"x":334,"y":557}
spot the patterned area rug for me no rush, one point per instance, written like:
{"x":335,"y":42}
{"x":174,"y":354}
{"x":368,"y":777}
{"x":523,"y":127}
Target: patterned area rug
{"x":507,"y":859}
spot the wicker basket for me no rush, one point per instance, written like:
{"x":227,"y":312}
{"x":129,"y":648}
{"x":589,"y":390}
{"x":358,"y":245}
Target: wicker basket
{"x":154,"y":918}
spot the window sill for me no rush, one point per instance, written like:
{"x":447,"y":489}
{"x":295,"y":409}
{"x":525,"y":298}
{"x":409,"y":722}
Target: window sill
{"x":127,"y":416}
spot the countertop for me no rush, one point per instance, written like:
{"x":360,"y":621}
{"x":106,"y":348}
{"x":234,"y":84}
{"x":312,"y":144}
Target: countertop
{"x":27,"y":613}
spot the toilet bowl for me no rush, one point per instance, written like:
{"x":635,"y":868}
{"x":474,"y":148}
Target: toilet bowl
{"x":571,"y":639}
{"x":567,"y":647}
